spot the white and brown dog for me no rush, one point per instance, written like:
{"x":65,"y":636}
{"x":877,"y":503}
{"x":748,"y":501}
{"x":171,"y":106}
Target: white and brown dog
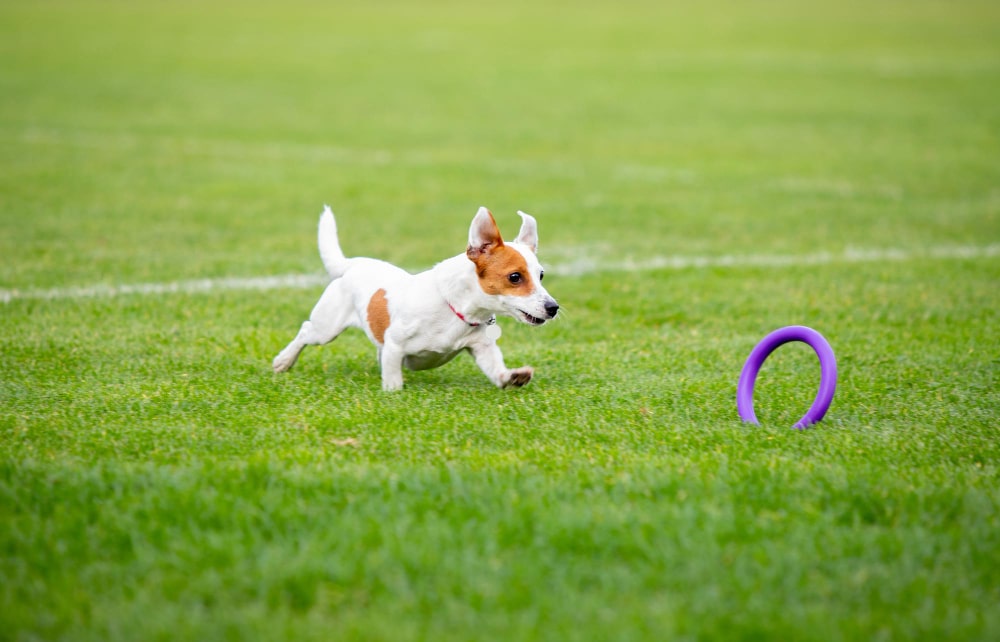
{"x":423,"y":320}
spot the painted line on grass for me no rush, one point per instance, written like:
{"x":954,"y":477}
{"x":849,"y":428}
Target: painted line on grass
{"x":287,"y":281}
{"x":572,"y":268}
{"x":850,"y":255}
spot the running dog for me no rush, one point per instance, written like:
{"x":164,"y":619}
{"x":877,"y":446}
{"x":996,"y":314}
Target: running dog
{"x":423,"y":320}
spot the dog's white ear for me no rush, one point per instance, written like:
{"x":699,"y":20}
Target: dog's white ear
{"x":484,"y":235}
{"x":529,"y":232}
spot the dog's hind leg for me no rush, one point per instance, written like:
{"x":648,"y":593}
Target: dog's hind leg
{"x":332,"y":315}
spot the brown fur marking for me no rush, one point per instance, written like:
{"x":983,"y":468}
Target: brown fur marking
{"x":378,"y":315}
{"x":495,"y":266}
{"x":491,"y":239}
{"x":495,"y":262}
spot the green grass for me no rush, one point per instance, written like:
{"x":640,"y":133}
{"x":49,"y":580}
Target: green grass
{"x":157,"y":481}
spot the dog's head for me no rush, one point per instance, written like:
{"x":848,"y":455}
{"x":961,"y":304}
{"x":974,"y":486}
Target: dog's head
{"x":510,"y":272}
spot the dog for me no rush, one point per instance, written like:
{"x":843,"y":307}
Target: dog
{"x":424,"y":320}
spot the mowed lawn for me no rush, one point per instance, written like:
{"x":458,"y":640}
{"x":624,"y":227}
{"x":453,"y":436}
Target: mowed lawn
{"x":701,"y":176}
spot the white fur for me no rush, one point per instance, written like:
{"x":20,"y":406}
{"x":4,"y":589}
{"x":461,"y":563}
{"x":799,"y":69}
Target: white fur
{"x":423,"y":332}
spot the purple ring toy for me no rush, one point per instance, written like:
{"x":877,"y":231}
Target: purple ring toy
{"x":827,"y":377}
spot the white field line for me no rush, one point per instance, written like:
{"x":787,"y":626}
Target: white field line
{"x":578,"y":267}
{"x":851,"y":255}
{"x":288,"y":281}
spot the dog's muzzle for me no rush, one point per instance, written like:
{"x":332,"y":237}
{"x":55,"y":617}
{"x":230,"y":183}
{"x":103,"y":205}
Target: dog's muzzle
{"x":551,"y":309}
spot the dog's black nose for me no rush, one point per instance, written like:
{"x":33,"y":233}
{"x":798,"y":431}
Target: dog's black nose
{"x":551,"y":307}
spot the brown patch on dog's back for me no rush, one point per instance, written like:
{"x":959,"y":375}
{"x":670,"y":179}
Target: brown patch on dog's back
{"x":494,"y":268}
{"x":378,"y":315}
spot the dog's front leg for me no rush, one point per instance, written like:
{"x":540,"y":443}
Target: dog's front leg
{"x":490,"y":360}
{"x":391,"y":361}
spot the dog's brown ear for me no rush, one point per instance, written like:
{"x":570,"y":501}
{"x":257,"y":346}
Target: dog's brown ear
{"x":484,"y":235}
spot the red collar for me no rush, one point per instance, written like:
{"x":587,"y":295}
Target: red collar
{"x":461,"y":316}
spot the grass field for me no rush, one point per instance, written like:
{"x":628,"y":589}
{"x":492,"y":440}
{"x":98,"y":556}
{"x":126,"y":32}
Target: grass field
{"x":701,"y":175}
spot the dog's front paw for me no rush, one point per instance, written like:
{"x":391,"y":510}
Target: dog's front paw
{"x":517,"y":377}
{"x":282,"y":363}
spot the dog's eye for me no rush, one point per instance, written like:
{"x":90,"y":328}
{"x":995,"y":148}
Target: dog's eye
{"x":515,"y":277}
{"x":541,"y":276}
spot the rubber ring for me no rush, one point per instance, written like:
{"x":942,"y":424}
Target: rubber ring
{"x":760,"y":353}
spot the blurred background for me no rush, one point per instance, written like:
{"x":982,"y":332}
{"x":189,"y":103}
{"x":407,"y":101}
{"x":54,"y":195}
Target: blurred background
{"x":151,"y":141}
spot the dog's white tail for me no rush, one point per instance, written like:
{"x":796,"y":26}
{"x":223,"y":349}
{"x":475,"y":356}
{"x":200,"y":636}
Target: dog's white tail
{"x":329,"y":245}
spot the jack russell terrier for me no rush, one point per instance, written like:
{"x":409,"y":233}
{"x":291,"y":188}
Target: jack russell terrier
{"x":423,"y":320}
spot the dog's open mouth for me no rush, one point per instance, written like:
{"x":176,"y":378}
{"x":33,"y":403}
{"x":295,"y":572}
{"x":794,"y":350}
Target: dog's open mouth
{"x":530,"y":319}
